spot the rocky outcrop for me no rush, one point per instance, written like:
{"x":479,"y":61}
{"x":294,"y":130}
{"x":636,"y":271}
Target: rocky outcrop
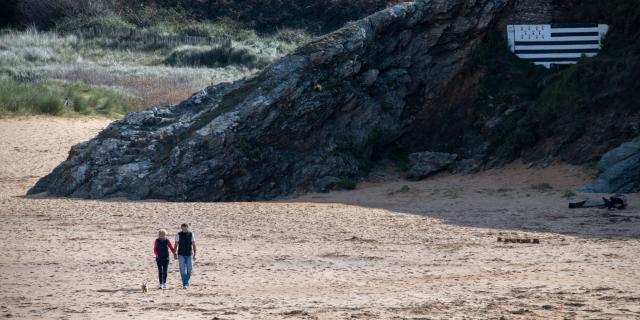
{"x":531,"y":12}
{"x":306,"y":121}
{"x":465,"y":166}
{"x":423,"y":164}
{"x":619,"y":170}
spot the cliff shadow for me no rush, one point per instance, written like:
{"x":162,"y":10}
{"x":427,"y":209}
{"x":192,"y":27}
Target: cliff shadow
{"x":510,"y":199}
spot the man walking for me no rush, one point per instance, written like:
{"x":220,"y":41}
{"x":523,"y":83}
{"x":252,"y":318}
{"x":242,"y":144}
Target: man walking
{"x":186,"y":247}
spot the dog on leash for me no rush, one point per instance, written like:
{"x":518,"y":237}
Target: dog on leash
{"x":145,"y":288}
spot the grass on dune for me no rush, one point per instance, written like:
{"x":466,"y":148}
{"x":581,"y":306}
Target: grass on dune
{"x":49,"y":97}
{"x":123,"y":63}
{"x":31,"y":47}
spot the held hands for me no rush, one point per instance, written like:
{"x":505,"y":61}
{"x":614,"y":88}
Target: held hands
{"x":175,"y":256}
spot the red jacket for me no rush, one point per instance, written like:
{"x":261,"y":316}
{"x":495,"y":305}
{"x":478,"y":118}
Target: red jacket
{"x":155,"y":247}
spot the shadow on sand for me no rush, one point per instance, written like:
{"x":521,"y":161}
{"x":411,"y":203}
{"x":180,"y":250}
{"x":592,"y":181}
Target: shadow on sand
{"x":479,"y":201}
{"x":511,"y":200}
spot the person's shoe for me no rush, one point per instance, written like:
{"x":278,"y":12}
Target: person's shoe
{"x":163,"y":286}
{"x":186,"y":286}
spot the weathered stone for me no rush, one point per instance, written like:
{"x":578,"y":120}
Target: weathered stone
{"x":465,"y":166}
{"x":619,"y":170}
{"x":348,"y":68}
{"x":423,"y":164}
{"x":369,"y":77}
{"x":327,"y":183}
{"x":308,"y":119}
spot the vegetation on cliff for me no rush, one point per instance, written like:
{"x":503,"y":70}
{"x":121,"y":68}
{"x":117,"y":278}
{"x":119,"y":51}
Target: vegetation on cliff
{"x":576,"y":113}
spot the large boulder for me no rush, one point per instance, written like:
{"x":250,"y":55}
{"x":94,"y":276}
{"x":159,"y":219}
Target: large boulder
{"x":310,"y":119}
{"x":619,"y":170}
{"x":423,"y":164}
{"x":465,"y":166}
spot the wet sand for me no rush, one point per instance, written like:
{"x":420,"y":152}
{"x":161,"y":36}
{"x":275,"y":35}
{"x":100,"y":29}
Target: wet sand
{"x":383,"y":251}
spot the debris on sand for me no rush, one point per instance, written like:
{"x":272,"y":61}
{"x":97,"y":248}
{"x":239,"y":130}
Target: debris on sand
{"x":519,"y":240}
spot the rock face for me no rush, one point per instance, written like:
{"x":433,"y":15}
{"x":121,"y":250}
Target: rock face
{"x":306,"y":121}
{"x":423,"y":164}
{"x":619,"y":170}
{"x":532,"y":12}
{"x":465,"y":166}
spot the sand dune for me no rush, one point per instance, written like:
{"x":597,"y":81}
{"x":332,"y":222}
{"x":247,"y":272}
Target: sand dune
{"x":383,"y":251}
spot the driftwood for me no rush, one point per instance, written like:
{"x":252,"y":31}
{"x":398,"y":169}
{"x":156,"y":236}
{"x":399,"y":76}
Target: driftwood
{"x":518,"y":240}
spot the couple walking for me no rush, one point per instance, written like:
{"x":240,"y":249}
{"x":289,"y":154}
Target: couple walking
{"x":184,"y":252}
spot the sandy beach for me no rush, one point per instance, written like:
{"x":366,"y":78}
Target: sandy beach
{"x":387,"y":250}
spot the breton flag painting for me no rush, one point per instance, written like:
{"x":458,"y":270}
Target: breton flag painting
{"x":556,"y":44}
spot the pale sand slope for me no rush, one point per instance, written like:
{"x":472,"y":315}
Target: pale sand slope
{"x":430,"y":252}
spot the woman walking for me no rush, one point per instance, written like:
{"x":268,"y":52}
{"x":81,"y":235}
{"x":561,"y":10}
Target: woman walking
{"x":161,"y":248}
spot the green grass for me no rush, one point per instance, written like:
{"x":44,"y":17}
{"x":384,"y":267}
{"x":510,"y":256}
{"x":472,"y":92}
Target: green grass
{"x":48,"y":98}
{"x":154,"y":58}
{"x":129,"y":33}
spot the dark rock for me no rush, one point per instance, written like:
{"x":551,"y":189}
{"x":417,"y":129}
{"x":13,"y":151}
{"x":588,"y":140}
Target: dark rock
{"x":369,"y":77}
{"x":310,"y":118}
{"x":465,"y":166}
{"x":423,"y":164}
{"x":327,"y":183}
{"x":619,"y":170}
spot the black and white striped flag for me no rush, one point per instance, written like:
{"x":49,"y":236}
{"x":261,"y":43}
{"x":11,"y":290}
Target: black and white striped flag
{"x":548,"y":44}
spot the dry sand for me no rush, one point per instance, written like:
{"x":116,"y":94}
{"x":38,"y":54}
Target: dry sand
{"x":378,"y":252}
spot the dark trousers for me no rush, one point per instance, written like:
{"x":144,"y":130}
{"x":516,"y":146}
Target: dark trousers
{"x":163,"y":268}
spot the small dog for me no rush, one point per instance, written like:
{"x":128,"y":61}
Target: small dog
{"x":145,"y":288}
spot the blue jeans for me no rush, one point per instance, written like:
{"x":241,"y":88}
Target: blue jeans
{"x":186,"y":268}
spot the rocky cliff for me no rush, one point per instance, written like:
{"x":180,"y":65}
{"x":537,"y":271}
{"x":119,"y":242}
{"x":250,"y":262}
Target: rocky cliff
{"x":501,"y":109}
{"x":306,"y":123}
{"x":619,"y":170}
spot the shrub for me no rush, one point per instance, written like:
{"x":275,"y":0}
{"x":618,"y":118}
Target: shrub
{"x":8,"y":14}
{"x":346,"y":183}
{"x":215,"y":57}
{"x":45,"y":13}
{"x":193,"y":30}
{"x":150,"y":15}
{"x":110,"y":25}
{"x":297,"y":36}
{"x":267,"y":15}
